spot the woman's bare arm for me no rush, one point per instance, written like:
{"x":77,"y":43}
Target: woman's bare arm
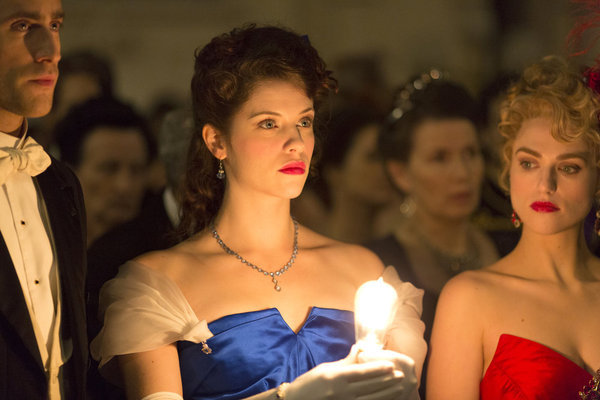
{"x":150,"y":372}
{"x":456,"y":358}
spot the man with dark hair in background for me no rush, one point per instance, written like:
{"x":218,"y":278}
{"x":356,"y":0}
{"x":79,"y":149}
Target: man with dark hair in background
{"x":153,"y":229}
{"x":43,"y":344}
{"x":109,"y":146}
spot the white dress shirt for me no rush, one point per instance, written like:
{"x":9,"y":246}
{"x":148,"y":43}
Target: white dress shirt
{"x":26,"y":231}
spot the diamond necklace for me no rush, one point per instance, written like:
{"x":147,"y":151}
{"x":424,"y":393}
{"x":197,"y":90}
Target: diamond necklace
{"x":275,"y":274}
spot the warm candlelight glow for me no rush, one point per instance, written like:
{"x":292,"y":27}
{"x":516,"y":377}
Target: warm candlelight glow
{"x":375,"y":304}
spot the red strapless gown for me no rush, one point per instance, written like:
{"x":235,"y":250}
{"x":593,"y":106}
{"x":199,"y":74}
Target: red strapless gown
{"x":525,"y":370}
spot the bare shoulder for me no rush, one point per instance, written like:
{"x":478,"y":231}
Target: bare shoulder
{"x":353,"y":259}
{"x":463,"y":287}
{"x":469,"y":280}
{"x":174,"y":258}
{"x":156,"y":260}
{"x":467,"y":289}
{"x":475,"y":288}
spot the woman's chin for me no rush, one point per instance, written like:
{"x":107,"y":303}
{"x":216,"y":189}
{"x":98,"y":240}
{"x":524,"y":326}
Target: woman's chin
{"x":295,"y":194}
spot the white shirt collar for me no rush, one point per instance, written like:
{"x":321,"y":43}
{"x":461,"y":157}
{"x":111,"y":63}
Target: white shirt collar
{"x":7,"y":140}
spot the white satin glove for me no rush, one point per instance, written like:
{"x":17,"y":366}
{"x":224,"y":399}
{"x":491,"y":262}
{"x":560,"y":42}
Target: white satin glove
{"x":403,"y":365}
{"x":375,"y":379}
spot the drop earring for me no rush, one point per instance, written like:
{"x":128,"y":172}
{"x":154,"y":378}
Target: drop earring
{"x":221,"y":171}
{"x":408,"y":206}
{"x":516,"y":221}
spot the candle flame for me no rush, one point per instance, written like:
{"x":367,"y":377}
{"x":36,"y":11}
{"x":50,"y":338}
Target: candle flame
{"x":374,"y":309}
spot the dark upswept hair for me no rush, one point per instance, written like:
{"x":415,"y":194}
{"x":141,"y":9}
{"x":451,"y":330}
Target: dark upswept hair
{"x":225,"y":73}
{"x":440,"y":99}
{"x":549,"y":89}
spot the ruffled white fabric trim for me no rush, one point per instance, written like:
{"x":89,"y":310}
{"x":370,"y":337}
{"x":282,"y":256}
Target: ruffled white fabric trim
{"x":144,"y":310}
{"x":405,"y":335}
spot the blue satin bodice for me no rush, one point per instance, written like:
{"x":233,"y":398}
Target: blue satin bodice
{"x":256,"y":351}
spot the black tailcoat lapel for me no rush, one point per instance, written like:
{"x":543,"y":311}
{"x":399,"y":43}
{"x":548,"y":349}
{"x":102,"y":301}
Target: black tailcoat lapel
{"x":22,"y":373}
{"x":64,"y":202}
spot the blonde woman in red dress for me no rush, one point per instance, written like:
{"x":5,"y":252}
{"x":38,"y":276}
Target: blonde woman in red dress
{"x":528,"y":325}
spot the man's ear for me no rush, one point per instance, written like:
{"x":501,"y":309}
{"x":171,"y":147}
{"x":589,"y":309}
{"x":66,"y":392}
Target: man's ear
{"x":399,"y":175}
{"x":215,"y":141}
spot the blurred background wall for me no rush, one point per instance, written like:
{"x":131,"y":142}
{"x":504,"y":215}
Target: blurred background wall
{"x":151,"y":42}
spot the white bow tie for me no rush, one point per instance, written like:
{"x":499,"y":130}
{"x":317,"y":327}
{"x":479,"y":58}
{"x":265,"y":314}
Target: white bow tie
{"x":30,"y":159}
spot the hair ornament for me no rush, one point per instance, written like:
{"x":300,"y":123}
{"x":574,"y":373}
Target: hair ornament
{"x":404,"y":95}
{"x":587,"y":23}
{"x":591,"y":77}
{"x":587,"y":19}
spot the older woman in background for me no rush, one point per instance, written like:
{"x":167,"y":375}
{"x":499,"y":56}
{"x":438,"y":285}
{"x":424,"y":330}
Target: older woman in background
{"x":432,"y":155}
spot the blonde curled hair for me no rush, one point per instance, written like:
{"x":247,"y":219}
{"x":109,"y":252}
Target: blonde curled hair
{"x":549,"y":89}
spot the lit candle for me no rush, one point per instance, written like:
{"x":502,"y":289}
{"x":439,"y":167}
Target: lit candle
{"x":375,"y":305}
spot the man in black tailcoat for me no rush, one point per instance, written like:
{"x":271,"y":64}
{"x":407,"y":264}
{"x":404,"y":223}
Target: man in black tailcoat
{"x":43,"y":344}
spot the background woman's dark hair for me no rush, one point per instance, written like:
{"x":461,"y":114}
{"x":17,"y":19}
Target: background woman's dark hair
{"x":437,"y":100}
{"x":225,"y":73}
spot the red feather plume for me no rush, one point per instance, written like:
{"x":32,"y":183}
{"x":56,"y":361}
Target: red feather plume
{"x":587,"y":19}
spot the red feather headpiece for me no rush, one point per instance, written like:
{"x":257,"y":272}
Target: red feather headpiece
{"x":587,"y":20}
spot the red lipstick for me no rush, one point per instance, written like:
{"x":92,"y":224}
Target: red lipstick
{"x":294,"y":168}
{"x":544,"y":206}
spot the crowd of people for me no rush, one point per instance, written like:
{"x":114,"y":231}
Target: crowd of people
{"x":216,"y":253}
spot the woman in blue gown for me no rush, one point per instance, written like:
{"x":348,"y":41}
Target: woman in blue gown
{"x":252,"y":304}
